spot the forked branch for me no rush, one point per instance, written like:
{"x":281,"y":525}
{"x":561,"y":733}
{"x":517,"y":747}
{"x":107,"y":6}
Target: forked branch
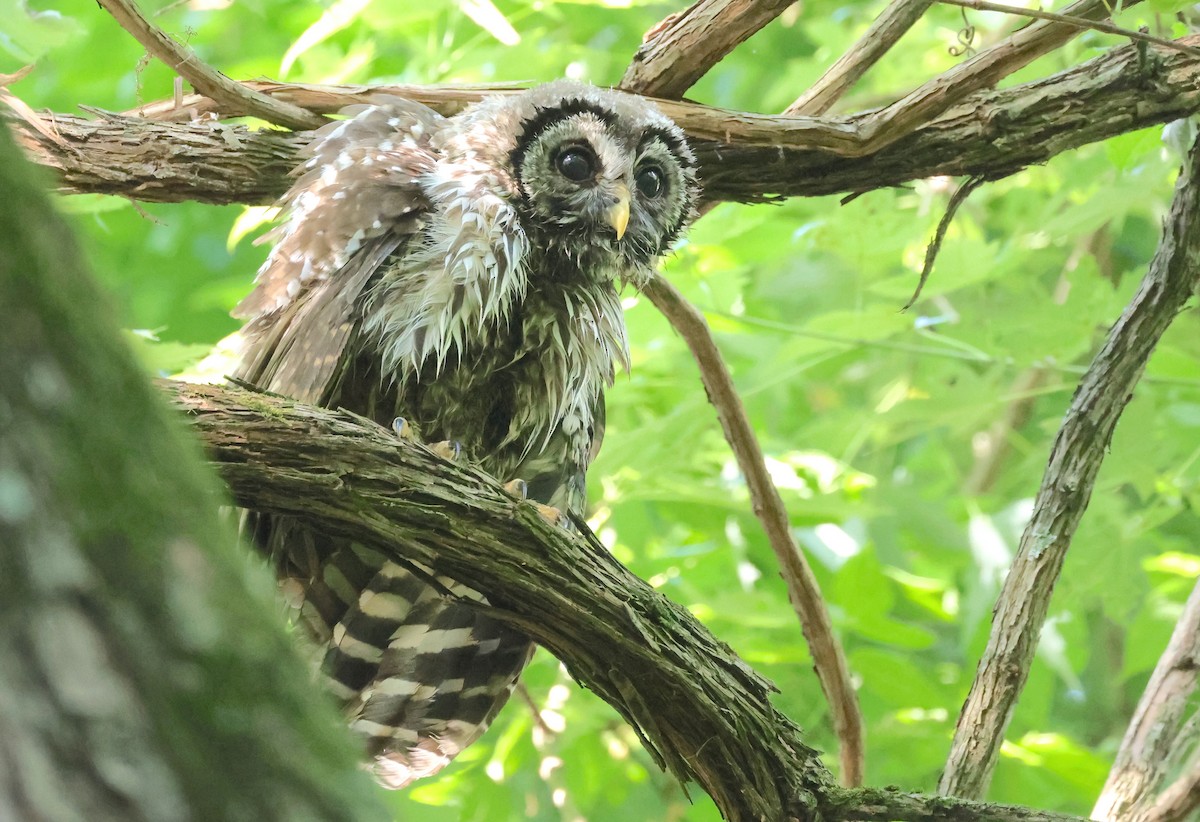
{"x":884,"y":32}
{"x":1075,"y":458}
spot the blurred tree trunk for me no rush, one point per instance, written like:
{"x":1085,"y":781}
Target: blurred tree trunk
{"x":143,"y":674}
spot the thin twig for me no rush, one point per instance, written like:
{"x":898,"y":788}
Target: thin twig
{"x":714,"y":28}
{"x":550,"y":766}
{"x":803,"y":590}
{"x":888,"y":28}
{"x":1075,"y":458}
{"x":683,"y":47}
{"x":1145,"y":754}
{"x":206,"y":80}
{"x":982,"y":71}
{"x":1078,"y":22}
{"x":935,"y":245}
{"x":522,"y":692}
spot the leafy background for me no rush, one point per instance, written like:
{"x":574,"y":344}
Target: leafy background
{"x":874,"y":420}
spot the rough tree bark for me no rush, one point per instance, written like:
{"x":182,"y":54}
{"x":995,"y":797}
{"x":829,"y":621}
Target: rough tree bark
{"x":701,"y":711}
{"x":145,"y":673}
{"x":744,"y":157}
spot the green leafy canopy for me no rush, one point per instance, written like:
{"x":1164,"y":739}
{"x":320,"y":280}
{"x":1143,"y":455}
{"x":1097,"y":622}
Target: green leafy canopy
{"x":875,"y":422}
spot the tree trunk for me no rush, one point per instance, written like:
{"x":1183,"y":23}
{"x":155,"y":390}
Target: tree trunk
{"x":145,"y":674}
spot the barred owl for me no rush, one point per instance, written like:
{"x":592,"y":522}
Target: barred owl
{"x":460,"y":273}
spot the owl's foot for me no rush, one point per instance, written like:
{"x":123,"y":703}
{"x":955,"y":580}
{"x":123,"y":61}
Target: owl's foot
{"x":450,"y":450}
{"x":552,"y":515}
{"x":520,"y":489}
{"x":517,"y":488}
{"x":405,"y":430}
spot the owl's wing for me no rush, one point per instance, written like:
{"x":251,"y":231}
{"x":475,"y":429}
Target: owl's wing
{"x":357,"y":201}
{"x":421,"y":673}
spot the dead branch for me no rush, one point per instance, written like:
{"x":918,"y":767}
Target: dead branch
{"x":203,"y":78}
{"x":1151,"y":739}
{"x":698,"y":708}
{"x":939,"y":235}
{"x":1075,"y":458}
{"x":683,"y":47}
{"x":829,"y":660}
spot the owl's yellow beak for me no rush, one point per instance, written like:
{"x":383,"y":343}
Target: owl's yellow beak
{"x":618,"y":215}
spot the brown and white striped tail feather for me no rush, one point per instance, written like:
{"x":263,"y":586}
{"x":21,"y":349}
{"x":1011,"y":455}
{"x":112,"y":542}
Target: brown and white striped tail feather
{"x":445,"y":673}
{"x":420,"y":670}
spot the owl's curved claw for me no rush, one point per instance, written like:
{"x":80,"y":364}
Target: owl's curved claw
{"x":518,"y":488}
{"x":404,"y":429}
{"x":450,"y":450}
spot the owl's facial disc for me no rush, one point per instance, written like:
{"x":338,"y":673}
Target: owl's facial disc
{"x":599,"y":186}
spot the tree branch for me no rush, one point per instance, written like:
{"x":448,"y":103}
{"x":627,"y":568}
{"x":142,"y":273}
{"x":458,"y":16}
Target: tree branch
{"x":698,"y":708}
{"x":1075,"y":458}
{"x":744,"y":157}
{"x":1076,"y":22}
{"x":1151,"y":739}
{"x":982,"y":71}
{"x":877,"y":40}
{"x":204,"y":79}
{"x":683,"y":47}
{"x":829,"y":660}
{"x":144,"y":673}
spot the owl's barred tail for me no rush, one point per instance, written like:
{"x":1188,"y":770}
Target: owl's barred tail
{"x":421,"y":670}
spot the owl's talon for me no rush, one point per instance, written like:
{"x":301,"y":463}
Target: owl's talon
{"x":517,"y":488}
{"x":450,"y":450}
{"x":404,"y":429}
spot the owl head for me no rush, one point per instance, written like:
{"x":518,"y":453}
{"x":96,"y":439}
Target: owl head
{"x":598,"y":177}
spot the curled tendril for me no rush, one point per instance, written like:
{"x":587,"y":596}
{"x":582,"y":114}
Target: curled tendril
{"x":966,"y":36}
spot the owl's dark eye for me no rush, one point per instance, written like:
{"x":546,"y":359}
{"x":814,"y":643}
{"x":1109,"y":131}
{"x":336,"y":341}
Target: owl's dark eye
{"x":576,"y":164}
{"x":650,"y":182}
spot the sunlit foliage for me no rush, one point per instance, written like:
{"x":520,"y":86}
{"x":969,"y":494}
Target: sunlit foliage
{"x":908,"y":445}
